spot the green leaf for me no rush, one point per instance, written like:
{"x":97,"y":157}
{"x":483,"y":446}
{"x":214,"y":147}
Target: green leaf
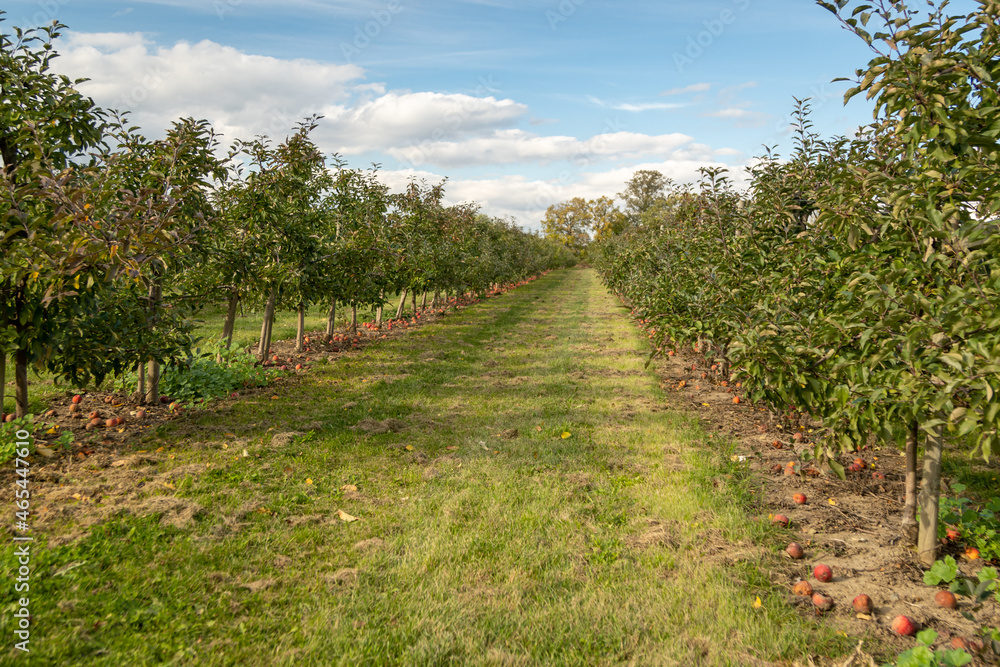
{"x":941,"y":571}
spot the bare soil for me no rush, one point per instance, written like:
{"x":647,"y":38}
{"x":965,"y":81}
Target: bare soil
{"x":852,"y":525}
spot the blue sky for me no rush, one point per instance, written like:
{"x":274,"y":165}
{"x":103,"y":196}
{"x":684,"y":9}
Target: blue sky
{"x":520,"y":104}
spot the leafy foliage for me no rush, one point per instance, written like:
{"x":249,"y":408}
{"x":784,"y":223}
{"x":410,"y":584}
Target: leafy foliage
{"x":923,"y":655}
{"x":978,"y":524}
{"x":855,"y":281}
{"x":200,"y":377}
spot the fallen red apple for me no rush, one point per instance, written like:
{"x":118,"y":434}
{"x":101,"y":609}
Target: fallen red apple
{"x":140,"y":414}
{"x":298,"y":367}
{"x":972,"y":553}
{"x":736,"y":399}
{"x":780,"y":519}
{"x":77,"y":399}
{"x":799,"y":498}
{"x":803,"y":588}
{"x":863,"y":604}
{"x":877,"y":475}
{"x":953,"y":533}
{"x":274,"y":358}
{"x":822,"y":602}
{"x":823,"y":573}
{"x":798,"y":437}
{"x":794,"y":549}
{"x":971,"y":645}
{"x":946,"y":599}
{"x":9,"y":418}
{"x":74,"y":408}
{"x":110,"y":423}
{"x":904,"y":625}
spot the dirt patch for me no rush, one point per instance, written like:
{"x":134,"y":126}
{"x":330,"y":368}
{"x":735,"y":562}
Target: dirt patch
{"x":175,"y":512}
{"x":656,"y":534}
{"x":375,"y":427}
{"x":373,"y":544}
{"x":258,"y":585}
{"x":343,"y":577}
{"x":284,"y":439}
{"x":851,"y":525}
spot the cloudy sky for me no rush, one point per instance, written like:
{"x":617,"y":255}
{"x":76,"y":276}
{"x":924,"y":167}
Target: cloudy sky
{"x":520,"y":103}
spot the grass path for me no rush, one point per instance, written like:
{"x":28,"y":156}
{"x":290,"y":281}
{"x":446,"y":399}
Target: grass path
{"x":484,"y":535}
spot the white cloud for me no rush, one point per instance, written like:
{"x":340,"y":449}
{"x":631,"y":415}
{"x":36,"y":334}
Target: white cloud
{"x":693,"y":88}
{"x":404,"y":117}
{"x":527,"y":199}
{"x":512,"y":146}
{"x":625,"y":106}
{"x":743,"y":117}
{"x":241,"y":94}
{"x":245,"y":95}
{"x":648,"y":106}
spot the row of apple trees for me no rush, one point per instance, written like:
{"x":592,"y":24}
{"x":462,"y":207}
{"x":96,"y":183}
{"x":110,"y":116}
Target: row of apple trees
{"x":857,"y":280}
{"x":112,"y":241}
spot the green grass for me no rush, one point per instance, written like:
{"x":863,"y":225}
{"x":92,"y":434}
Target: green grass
{"x":209,"y":322}
{"x":627,"y":542}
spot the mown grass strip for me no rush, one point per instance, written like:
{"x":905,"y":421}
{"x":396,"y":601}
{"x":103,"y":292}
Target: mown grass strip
{"x":484,"y":535}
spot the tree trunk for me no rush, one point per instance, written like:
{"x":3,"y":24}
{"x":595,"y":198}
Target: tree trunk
{"x":300,"y":333}
{"x":265,"y":329}
{"x":423,"y":304}
{"x":331,"y":322}
{"x":21,"y":383}
{"x":402,"y":302}
{"x":910,"y":507}
{"x":414,"y":297}
{"x":437,"y":299}
{"x":378,"y":317}
{"x":141,"y":388}
{"x":153,"y":383}
{"x":354,"y":320}
{"x":153,"y":367}
{"x":930,"y":496}
{"x":230,"y":326}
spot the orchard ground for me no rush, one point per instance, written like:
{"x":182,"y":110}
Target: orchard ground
{"x":505,"y":486}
